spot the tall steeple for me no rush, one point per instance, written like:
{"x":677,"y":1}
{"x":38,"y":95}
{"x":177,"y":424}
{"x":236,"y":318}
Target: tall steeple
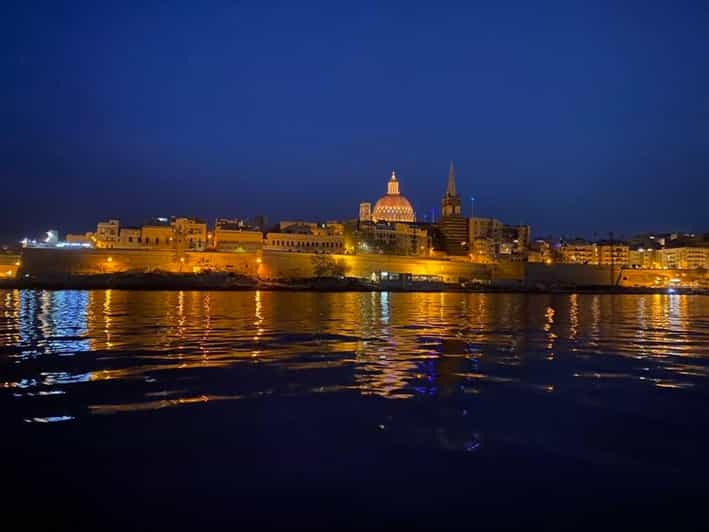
{"x":450,"y":191}
{"x":453,"y":227}
{"x":450,"y":205}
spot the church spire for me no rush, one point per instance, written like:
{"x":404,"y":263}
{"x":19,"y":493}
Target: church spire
{"x":450,"y":206}
{"x":450,"y":191}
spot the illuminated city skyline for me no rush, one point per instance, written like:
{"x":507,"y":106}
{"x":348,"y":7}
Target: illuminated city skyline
{"x":554,"y":116}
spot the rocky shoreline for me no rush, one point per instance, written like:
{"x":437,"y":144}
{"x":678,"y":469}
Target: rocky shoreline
{"x":226,"y":282}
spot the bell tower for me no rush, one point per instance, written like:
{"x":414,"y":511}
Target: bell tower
{"x":450,"y":206}
{"x":453,"y":227}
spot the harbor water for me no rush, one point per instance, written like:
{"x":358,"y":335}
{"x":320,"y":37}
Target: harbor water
{"x":180,"y":409}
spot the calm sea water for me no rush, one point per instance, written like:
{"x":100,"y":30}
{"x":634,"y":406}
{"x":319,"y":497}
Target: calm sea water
{"x":316,"y":410}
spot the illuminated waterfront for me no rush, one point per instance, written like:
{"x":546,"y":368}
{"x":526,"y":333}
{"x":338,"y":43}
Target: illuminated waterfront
{"x":412,"y":404}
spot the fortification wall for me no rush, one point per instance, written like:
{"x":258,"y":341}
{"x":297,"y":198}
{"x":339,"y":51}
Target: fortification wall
{"x":52,"y":262}
{"x":570,"y":274}
{"x":8,"y":265}
{"x":268,"y":264}
{"x":509,"y":273}
{"x":284,"y":265}
{"x":591,"y":275}
{"x":49,"y":261}
{"x":665,"y":278}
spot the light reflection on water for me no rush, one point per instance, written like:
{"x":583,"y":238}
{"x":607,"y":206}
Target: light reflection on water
{"x":67,"y":355}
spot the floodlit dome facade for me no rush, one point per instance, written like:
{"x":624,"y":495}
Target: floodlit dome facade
{"x":393,"y":207}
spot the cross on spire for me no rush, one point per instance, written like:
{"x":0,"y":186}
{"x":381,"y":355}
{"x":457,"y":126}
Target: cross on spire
{"x":450,"y":191}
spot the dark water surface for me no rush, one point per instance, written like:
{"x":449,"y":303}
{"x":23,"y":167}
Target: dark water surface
{"x":177,"y":410}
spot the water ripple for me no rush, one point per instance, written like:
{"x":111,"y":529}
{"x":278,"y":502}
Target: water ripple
{"x":66,"y":356}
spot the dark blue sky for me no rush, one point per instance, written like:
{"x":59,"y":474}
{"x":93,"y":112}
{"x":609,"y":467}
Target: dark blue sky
{"x":575,"y":117}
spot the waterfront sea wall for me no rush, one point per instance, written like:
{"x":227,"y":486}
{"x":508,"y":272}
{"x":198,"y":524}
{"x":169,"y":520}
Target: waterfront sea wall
{"x":8,"y":265}
{"x":537,"y":274}
{"x":52,"y":263}
{"x":587,"y":275}
{"x":660,"y":278}
{"x":279,"y":265}
{"x":49,"y":262}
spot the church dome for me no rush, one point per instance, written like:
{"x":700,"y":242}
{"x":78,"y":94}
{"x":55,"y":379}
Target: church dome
{"x":393,"y":207}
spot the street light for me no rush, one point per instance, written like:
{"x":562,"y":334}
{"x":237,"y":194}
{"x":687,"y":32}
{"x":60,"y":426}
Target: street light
{"x":472,"y":206}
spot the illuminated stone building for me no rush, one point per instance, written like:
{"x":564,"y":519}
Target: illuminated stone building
{"x":514,"y":242}
{"x":304,"y":243}
{"x":393,"y":207}
{"x":234,"y":235}
{"x":579,"y":252}
{"x":603,"y":253}
{"x":365,"y":212}
{"x":645,"y":258}
{"x":490,"y":228}
{"x":540,"y":251}
{"x":511,"y":242}
{"x":307,"y":237}
{"x":453,"y":227}
{"x":613,"y":253}
{"x":482,"y":250}
{"x":684,"y":258}
{"x":130,"y":237}
{"x":107,"y":234}
{"x":392,"y":239}
{"x":313,"y":228}
{"x":157,"y":234}
{"x":189,"y":233}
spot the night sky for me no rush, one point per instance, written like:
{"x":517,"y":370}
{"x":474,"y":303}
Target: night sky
{"x":574,"y":117}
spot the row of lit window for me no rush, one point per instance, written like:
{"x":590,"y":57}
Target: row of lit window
{"x":306,"y":244}
{"x":148,"y":240}
{"x":393,"y":210}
